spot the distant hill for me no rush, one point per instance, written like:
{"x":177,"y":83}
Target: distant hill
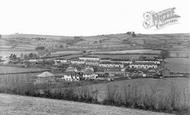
{"x":121,"y":41}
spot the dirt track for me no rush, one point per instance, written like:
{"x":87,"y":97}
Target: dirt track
{"x":20,"y":105}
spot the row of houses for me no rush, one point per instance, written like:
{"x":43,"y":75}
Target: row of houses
{"x":143,"y":66}
{"x":108,"y":63}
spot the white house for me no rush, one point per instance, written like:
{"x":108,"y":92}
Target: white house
{"x":71,"y":76}
{"x":111,"y":65}
{"x":90,"y":76}
{"x":77,"y":62}
{"x":143,"y":66}
{"x":89,"y":58}
{"x":60,"y":61}
{"x":151,"y":62}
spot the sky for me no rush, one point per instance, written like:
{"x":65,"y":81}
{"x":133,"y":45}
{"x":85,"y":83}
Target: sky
{"x":87,"y":17}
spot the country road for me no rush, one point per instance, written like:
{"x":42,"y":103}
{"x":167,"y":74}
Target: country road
{"x":21,"y":105}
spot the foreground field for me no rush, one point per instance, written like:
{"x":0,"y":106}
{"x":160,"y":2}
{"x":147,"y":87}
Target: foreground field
{"x":20,"y":105}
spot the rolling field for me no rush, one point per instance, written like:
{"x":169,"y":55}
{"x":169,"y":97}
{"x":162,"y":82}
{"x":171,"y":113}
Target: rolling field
{"x":170,"y":95}
{"x":20,"y":105}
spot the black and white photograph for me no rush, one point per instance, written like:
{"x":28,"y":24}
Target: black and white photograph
{"x":94,"y":57}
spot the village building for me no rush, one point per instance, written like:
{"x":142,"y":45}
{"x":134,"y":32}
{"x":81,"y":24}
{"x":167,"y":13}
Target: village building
{"x":148,"y":62}
{"x":71,"y":76}
{"x":105,"y":60}
{"x":88,"y":73}
{"x":123,"y":61}
{"x":77,"y":62}
{"x":111,"y":65}
{"x":89,"y":58}
{"x":60,"y":61}
{"x":92,"y":63}
{"x":143,"y":66}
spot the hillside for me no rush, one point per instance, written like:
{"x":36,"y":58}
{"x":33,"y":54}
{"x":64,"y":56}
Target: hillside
{"x":28,"y":42}
{"x":20,"y":105}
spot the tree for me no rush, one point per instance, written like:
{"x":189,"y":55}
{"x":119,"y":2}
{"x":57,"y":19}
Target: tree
{"x":26,"y":56}
{"x":12,"y":57}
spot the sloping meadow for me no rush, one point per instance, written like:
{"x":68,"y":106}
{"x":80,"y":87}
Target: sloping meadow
{"x":168,"y":95}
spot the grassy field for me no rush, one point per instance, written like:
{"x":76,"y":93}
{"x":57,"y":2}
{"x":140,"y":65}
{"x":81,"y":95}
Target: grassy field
{"x":169,"y":95}
{"x":10,"y":69}
{"x":20,"y":105}
{"x":181,"y":65}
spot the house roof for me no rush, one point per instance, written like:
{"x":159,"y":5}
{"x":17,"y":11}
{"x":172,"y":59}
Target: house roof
{"x":46,"y":74}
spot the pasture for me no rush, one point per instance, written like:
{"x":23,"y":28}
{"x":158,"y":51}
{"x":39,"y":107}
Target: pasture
{"x":10,"y":69}
{"x":169,"y":95}
{"x":178,"y":65}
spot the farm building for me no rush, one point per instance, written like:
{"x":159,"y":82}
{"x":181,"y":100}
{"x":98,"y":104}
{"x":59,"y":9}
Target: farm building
{"x":45,"y":77}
